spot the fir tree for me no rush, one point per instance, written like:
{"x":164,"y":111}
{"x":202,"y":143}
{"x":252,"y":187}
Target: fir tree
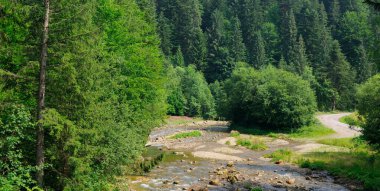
{"x":260,"y":59}
{"x":189,"y":33}
{"x":342,"y":78}
{"x":237,"y":47}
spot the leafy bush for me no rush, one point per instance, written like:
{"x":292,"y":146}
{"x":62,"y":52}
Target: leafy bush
{"x":189,"y":93}
{"x":369,"y":108}
{"x":15,"y":124}
{"x":271,"y":97}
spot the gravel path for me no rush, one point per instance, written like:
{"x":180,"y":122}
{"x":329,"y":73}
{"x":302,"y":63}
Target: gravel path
{"x":342,"y":130}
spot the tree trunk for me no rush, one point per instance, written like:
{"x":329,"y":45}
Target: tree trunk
{"x":40,"y":158}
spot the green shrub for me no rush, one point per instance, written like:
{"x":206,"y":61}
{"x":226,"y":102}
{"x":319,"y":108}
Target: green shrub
{"x":369,"y":108}
{"x":271,"y":97}
{"x":189,"y":93}
{"x":15,"y":126}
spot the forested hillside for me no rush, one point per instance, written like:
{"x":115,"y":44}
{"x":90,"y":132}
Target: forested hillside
{"x":82,"y":83}
{"x":332,"y":44}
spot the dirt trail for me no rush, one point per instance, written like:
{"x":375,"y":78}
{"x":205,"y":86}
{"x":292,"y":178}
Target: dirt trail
{"x":250,"y":167}
{"x":342,"y":130}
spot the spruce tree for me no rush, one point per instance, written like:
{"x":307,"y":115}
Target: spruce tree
{"x":364,"y":68}
{"x":219,"y":64}
{"x":238,"y":51}
{"x":165,"y":30}
{"x":301,"y":62}
{"x":251,"y":17}
{"x":342,"y":78}
{"x":289,"y":39}
{"x":189,"y":33}
{"x":260,"y":59}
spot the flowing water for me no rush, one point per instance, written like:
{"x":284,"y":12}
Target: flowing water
{"x":179,"y":169}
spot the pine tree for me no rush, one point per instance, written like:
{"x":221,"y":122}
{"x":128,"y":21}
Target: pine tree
{"x":301,"y":61}
{"x":178,"y":59}
{"x":219,"y":63}
{"x":189,"y":33}
{"x":251,"y":17}
{"x":165,"y":31}
{"x":260,"y":59}
{"x":334,"y":16}
{"x":40,"y":158}
{"x":289,"y":39}
{"x":237,"y":47}
{"x":317,"y":36}
{"x":342,"y":78}
{"x":364,"y":68}
{"x":282,"y":64}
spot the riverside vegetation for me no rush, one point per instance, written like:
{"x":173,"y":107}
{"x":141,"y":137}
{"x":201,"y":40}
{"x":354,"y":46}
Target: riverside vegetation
{"x":83,"y":83}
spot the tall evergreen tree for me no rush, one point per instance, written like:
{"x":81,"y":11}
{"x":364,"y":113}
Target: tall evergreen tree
{"x":260,"y":59}
{"x":317,"y":36}
{"x":165,"y":30}
{"x":219,"y":63}
{"x":189,"y":33}
{"x":301,"y":61}
{"x":342,"y":78}
{"x":289,"y":39}
{"x":251,"y":16}
{"x":364,"y":68}
{"x":334,"y":16}
{"x":238,"y":51}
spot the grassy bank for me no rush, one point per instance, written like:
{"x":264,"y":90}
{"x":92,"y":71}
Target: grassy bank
{"x":353,"y":119}
{"x":253,"y":143}
{"x":360,"y":163}
{"x":186,"y":135}
{"x":312,"y":131}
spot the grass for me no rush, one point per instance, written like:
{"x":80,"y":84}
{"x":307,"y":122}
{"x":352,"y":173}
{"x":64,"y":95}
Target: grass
{"x":186,"y":135}
{"x":361,"y":163}
{"x":353,"y":119}
{"x":281,"y":154}
{"x":234,"y":134}
{"x":255,"y":144}
{"x":312,"y":131}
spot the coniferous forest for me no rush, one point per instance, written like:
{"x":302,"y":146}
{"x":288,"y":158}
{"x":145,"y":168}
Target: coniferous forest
{"x":83,"y":83}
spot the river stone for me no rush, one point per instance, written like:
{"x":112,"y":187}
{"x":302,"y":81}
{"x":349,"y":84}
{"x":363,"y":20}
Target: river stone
{"x":214,"y":182}
{"x":291,"y":181}
{"x":230,"y":164}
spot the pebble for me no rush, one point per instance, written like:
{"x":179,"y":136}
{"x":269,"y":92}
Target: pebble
{"x":215,"y":182}
{"x":230,"y":164}
{"x":291,"y":181}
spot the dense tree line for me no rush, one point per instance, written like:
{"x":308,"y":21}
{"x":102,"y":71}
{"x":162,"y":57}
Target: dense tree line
{"x":336,"y":39}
